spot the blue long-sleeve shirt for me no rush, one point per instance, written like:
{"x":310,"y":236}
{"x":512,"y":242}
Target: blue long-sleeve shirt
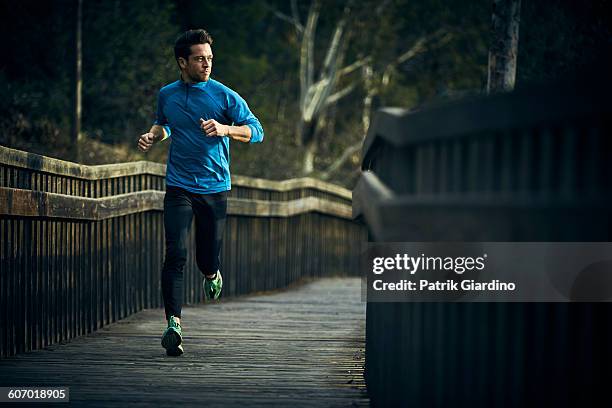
{"x":196,"y":162}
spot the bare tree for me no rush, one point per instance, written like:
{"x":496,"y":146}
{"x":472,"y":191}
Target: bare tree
{"x":375,"y":82}
{"x":318,"y":95}
{"x":504,"y":45}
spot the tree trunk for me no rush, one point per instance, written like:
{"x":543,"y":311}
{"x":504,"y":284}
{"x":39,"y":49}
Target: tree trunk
{"x":78,"y":85}
{"x":311,"y":144}
{"x":504,"y":45}
{"x":307,"y":65}
{"x":309,"y":155}
{"x":314,"y":96}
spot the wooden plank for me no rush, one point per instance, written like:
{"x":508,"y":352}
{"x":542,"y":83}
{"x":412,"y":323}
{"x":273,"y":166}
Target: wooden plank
{"x":20,"y":308}
{"x":592,"y":180}
{"x":4,"y":265}
{"x":386,"y":214}
{"x":291,"y":185}
{"x":529,"y":107}
{"x":457,"y":168}
{"x":443,"y":171}
{"x":12,"y":284}
{"x":27,"y":203}
{"x":43,"y":256}
{"x":369,"y":185}
{"x":567,"y":161}
{"x":21,"y":159}
{"x":302,"y":347}
{"x":26,"y":283}
{"x":62,"y":255}
{"x":53,"y":276}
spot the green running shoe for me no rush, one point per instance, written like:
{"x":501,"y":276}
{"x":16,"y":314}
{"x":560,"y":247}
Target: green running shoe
{"x":175,"y":352}
{"x":212,"y":287}
{"x":172,"y":338}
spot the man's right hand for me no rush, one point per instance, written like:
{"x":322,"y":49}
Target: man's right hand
{"x":145,"y":142}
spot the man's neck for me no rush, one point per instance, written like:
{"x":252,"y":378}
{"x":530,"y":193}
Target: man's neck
{"x":187,"y":80}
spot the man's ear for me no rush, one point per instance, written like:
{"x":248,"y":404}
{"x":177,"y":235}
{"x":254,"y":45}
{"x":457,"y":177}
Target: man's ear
{"x":182,"y":62}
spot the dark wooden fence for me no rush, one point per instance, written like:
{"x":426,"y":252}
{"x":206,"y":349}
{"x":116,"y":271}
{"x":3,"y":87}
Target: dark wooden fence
{"x":532,"y":165}
{"x":83,"y":246}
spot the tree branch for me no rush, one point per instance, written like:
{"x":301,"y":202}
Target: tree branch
{"x":293,"y":19}
{"x":333,"y":58}
{"x":346,"y":154}
{"x":307,"y":54}
{"x":355,"y":65}
{"x":294,"y":13}
{"x":340,"y":94}
{"x":314,"y":98}
{"x":418,"y":47}
{"x":334,"y":45}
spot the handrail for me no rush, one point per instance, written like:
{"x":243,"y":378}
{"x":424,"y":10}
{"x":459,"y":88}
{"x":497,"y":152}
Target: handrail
{"x":32,"y":161}
{"x":27,"y":203}
{"x":292,"y":184}
{"x":26,"y":160}
{"x":534,"y":106}
{"x":385,"y":211}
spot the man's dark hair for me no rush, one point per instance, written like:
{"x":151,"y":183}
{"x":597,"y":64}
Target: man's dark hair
{"x":182,"y":46}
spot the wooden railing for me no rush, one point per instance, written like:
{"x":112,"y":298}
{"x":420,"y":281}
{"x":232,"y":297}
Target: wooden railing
{"x":532,"y":165}
{"x":83,"y":246}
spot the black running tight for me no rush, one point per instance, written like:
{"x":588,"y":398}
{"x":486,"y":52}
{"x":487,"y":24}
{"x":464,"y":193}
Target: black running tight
{"x":180,"y":206}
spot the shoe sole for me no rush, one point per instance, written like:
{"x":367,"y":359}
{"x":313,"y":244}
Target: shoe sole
{"x":171,"y":340}
{"x":175,"y":352}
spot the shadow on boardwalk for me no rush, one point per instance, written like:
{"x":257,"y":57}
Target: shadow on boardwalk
{"x":299,"y":347}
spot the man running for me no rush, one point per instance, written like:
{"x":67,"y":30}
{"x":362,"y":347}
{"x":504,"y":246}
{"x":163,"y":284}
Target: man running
{"x":201,"y":115}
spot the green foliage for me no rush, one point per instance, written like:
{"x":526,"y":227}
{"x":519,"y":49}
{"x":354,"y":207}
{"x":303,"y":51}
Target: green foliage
{"x":34,"y":88}
{"x":559,"y":38}
{"x":127,"y":57}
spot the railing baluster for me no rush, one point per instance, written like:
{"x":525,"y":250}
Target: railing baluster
{"x":567,"y":162}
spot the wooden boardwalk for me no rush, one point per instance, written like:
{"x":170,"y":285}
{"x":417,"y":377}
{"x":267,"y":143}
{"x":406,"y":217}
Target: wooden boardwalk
{"x":300,"y":347}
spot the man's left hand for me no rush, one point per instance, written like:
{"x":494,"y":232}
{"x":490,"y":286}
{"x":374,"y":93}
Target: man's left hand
{"x":213,"y":128}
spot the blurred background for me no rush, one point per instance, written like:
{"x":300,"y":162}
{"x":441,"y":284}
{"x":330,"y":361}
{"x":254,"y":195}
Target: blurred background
{"x":314,"y":72}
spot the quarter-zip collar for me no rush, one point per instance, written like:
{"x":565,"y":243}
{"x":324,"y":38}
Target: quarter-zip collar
{"x":200,"y":85}
{"x":187,"y":86}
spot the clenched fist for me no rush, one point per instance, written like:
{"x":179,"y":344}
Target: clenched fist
{"x":213,"y":128}
{"x":145,"y":142}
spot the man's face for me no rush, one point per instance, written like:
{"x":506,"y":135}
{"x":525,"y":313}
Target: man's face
{"x":199,"y":64}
